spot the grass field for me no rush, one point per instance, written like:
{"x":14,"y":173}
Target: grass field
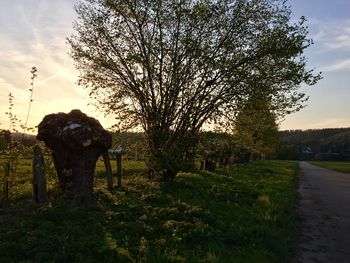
{"x":241,"y":214}
{"x":343,"y":167}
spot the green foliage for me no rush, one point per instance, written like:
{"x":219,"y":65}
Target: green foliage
{"x":241,"y":215}
{"x":21,"y":179}
{"x":256,"y":130}
{"x":129,"y":167}
{"x":16,"y":145}
{"x":170,"y":67}
{"x":288,"y":152}
{"x":133,"y":142}
{"x":10,"y":154}
{"x":324,"y":144}
{"x":5,"y":138}
{"x":215,"y":147}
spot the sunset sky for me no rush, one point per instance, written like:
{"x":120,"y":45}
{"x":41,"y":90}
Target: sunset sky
{"x":33,"y":33}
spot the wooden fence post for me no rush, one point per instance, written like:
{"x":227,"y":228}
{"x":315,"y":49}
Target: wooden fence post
{"x":117,"y":153}
{"x":108,"y":167}
{"x":118,"y":158}
{"x":39,"y":180}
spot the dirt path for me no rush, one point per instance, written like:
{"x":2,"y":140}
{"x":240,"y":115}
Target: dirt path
{"x":324,"y":213}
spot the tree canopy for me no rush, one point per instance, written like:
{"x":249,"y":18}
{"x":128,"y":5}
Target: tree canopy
{"x":255,"y":130}
{"x":172,"y":66}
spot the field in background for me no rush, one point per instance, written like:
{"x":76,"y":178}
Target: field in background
{"x":343,"y":167}
{"x":239,"y":214}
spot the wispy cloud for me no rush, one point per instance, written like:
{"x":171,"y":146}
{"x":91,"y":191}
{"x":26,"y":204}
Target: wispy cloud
{"x":50,"y":77}
{"x":33,"y":33}
{"x":332,"y":39}
{"x":332,"y":35}
{"x":343,"y":65}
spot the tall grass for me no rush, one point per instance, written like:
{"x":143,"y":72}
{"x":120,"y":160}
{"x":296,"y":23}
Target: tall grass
{"x":242,"y":214}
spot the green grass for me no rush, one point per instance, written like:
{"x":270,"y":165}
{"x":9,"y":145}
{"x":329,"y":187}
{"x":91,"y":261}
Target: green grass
{"x":343,"y":167}
{"x":129,"y":167}
{"x":241,"y":214}
{"x":23,"y":186}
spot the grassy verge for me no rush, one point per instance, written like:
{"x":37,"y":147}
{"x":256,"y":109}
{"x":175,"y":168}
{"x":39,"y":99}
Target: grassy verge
{"x":21,"y":186}
{"x":242,"y":214}
{"x":343,"y":167}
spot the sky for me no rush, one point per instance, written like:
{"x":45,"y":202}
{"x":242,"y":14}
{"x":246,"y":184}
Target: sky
{"x":34,"y":32}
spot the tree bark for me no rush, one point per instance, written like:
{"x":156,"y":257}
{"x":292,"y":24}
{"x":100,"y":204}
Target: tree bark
{"x":83,"y":175}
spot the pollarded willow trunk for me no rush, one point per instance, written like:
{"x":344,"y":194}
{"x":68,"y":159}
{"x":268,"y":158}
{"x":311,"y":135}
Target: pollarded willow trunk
{"x":76,"y":141}
{"x":83,"y":174}
{"x":75,"y":170}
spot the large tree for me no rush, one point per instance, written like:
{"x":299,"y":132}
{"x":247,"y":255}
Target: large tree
{"x":171,"y":66}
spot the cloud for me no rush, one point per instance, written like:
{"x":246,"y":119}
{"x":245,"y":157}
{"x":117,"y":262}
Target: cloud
{"x":341,"y":41}
{"x":332,"y":35}
{"x":343,"y":65}
{"x":33,"y":33}
{"x":332,"y":44}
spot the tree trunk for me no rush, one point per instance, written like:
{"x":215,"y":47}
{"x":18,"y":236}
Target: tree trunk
{"x":118,"y":158}
{"x":83,"y":175}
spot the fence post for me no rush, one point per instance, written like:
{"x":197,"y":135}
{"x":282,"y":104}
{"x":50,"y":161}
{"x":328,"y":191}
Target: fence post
{"x":39,"y":180}
{"x":117,"y":154}
{"x":108,"y":167}
{"x":118,"y":158}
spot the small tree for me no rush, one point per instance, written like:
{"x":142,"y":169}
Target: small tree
{"x":171,"y":66}
{"x":14,"y":147}
{"x":256,"y":130}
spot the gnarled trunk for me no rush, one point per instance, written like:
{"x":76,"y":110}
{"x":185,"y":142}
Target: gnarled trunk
{"x":76,"y":141}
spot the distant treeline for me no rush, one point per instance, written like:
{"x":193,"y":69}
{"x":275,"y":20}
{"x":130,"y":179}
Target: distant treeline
{"x":318,"y":144}
{"x":321,"y":144}
{"x":6,"y":136}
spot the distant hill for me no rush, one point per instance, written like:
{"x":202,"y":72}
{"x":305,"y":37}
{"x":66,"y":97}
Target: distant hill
{"x":6,"y":136}
{"x":26,"y":139}
{"x":319,"y":144}
{"x":20,"y":136}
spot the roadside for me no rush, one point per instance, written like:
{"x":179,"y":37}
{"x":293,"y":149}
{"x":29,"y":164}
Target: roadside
{"x":343,"y":167}
{"x":323,"y":216}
